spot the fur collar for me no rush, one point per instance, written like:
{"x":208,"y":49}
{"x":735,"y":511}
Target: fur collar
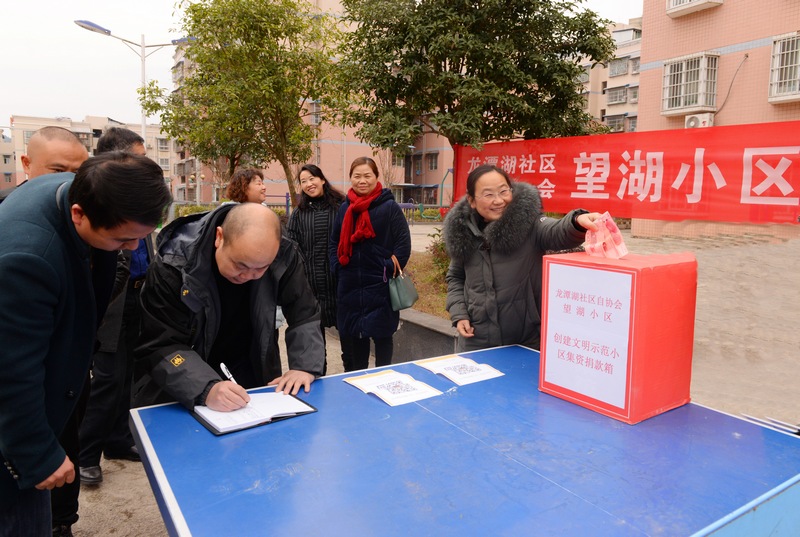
{"x":462,"y":235}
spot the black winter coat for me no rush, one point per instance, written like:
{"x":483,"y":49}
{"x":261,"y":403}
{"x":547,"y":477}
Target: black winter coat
{"x":363,"y":305}
{"x":181,"y":313}
{"x":495,"y":275}
{"x":311,"y":229}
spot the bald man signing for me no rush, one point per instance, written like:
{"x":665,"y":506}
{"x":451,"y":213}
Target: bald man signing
{"x":210,"y":297}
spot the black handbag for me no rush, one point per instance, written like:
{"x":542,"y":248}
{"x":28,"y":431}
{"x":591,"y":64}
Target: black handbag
{"x":402,"y":292}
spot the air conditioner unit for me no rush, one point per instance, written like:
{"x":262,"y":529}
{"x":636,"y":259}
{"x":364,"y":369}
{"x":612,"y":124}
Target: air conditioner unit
{"x":697,"y":121}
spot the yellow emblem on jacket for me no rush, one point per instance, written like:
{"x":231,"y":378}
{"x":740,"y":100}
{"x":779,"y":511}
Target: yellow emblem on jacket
{"x":177,"y":360}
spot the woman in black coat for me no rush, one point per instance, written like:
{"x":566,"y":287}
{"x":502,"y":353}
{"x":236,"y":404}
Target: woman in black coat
{"x":310,"y":226}
{"x":370,"y":227}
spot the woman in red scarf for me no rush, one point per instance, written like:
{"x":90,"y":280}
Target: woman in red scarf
{"x":369,"y":228}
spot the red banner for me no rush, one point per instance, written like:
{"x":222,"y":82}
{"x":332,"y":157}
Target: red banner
{"x":741,"y":173}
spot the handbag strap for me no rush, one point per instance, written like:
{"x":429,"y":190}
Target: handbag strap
{"x":397,"y":268}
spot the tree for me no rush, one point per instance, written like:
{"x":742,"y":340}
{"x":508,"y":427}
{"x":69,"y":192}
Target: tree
{"x":256,"y":67}
{"x":470,"y":70}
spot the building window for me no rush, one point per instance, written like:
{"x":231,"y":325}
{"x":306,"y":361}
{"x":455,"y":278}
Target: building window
{"x":784,"y":74}
{"x":433,"y":161}
{"x":418,"y":164}
{"x":679,"y":3}
{"x":585,"y":75}
{"x":690,"y":83}
{"x":618,"y":67}
{"x":163,"y":144}
{"x":635,"y":65}
{"x":633,"y":94}
{"x":26,"y":136}
{"x":398,"y":160}
{"x":616,"y":123}
{"x":632,"y":124}
{"x":7,"y":177}
{"x":164,"y":163}
{"x":616,"y":95}
{"x":6,"y":159}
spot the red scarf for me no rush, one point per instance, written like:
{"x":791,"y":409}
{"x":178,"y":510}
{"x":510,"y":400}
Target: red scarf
{"x":357,"y":211}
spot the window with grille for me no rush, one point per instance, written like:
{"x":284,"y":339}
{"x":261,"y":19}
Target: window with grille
{"x":163,"y":144}
{"x":633,"y":94}
{"x":635,"y":65}
{"x":616,"y":123}
{"x":679,"y":3}
{"x":398,"y":160}
{"x":690,"y":83}
{"x":618,"y":67}
{"x":632,"y":124}
{"x":616,"y":95}
{"x":784,"y":75}
{"x":164,"y":163}
{"x":6,"y":159}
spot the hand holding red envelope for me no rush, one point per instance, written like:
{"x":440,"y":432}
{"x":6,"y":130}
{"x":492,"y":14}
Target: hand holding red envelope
{"x":606,"y":241}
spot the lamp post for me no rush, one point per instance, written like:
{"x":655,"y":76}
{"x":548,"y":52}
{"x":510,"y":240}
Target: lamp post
{"x":139,"y":48}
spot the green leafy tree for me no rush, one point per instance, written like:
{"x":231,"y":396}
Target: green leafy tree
{"x":256,"y":68}
{"x":470,"y":70}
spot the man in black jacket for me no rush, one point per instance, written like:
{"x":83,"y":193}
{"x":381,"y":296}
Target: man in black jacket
{"x":104,"y":429}
{"x":210,"y":297}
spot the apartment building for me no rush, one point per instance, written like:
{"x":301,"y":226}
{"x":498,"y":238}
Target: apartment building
{"x":611,"y":92}
{"x":157,"y":144}
{"x":7,"y":168}
{"x":719,"y":62}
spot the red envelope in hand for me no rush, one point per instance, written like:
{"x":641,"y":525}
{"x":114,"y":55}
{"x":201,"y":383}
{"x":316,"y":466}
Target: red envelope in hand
{"x":606,"y":241}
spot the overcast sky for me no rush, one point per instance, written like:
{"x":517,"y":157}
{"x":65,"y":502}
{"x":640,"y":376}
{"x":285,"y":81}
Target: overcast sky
{"x":53,"y":68}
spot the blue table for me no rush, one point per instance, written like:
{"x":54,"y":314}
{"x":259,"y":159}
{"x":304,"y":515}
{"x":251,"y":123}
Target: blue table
{"x":493,"y":458}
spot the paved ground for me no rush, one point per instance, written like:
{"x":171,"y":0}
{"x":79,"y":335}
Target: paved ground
{"x":745,"y":357}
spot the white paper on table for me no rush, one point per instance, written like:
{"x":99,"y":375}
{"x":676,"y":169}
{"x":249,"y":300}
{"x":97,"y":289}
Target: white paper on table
{"x":392,"y":387}
{"x":459,"y":369}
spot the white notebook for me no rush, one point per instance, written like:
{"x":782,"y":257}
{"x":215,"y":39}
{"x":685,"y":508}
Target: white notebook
{"x":263,"y":408}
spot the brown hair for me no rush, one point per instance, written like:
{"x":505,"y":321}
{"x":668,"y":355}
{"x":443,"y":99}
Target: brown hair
{"x":237,"y":189}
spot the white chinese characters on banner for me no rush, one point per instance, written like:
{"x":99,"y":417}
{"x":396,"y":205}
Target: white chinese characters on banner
{"x":588,"y":330}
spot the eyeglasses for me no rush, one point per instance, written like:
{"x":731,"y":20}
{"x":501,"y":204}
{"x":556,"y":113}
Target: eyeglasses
{"x":491,"y":196}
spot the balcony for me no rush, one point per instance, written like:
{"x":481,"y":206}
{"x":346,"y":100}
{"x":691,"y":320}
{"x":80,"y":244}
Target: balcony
{"x":680,"y":8}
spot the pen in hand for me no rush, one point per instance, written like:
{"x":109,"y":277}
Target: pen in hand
{"x":227,"y":373}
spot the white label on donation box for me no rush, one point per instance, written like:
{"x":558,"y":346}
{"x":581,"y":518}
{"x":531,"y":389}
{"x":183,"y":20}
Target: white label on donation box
{"x":588,"y":330}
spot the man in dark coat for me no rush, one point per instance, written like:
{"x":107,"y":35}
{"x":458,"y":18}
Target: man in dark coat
{"x":210,"y":296}
{"x":104,"y":428}
{"x":58,"y":242}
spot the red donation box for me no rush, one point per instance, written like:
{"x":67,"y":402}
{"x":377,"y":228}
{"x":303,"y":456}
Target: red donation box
{"x":617,"y":334}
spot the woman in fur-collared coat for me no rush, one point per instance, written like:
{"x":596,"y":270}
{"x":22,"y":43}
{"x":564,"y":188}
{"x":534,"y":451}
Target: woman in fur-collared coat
{"x":496,"y":237}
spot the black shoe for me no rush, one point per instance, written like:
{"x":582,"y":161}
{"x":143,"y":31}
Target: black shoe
{"x":62,"y":530}
{"x":91,"y":475}
{"x":131,"y":454}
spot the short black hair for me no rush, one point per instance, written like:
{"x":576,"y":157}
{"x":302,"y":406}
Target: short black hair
{"x":117,"y":139}
{"x":117,"y":187}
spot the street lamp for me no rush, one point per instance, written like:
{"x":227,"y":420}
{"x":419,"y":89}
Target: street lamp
{"x":139,"y":48}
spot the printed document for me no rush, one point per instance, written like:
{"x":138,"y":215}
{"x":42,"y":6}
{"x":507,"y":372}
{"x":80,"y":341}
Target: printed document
{"x":459,"y":369}
{"x":392,"y":387}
